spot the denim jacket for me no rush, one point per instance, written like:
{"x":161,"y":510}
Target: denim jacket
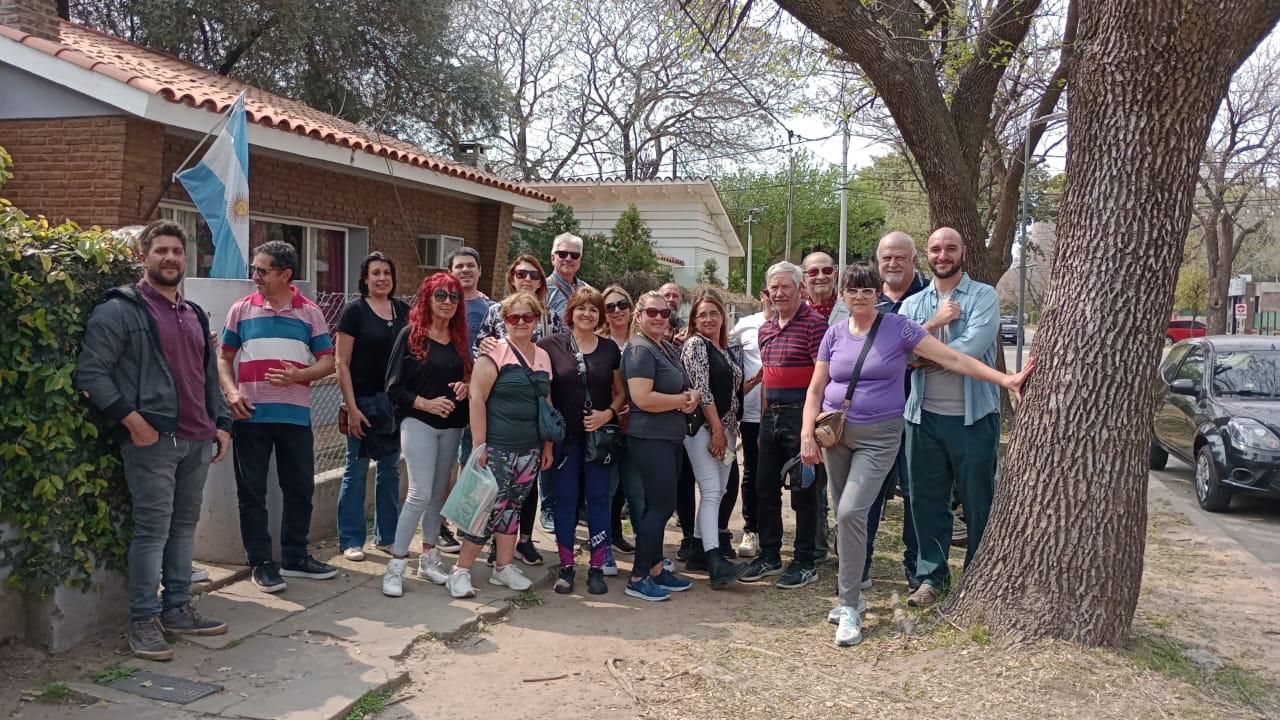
{"x":973,"y":333}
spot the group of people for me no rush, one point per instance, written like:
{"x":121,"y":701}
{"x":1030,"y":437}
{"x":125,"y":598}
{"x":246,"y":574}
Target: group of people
{"x":583,"y":401}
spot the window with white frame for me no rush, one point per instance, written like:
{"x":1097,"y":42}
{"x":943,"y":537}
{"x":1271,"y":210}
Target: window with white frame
{"x":433,"y":249}
{"x":321,"y":248}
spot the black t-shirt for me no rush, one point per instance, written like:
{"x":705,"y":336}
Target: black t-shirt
{"x":373,"y":339}
{"x":567,"y":392}
{"x":409,"y":378}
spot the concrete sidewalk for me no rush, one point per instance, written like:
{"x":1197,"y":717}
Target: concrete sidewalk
{"x":309,"y":652}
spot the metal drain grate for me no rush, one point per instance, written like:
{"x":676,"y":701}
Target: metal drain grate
{"x":164,"y":687}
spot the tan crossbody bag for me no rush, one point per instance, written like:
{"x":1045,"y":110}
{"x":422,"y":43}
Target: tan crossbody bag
{"x":830,"y":425}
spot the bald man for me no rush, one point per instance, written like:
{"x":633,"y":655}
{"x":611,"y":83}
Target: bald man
{"x":953,"y":422}
{"x":820,"y":281}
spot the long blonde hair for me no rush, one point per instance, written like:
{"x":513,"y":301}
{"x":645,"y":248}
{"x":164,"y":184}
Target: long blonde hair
{"x":615,"y":290}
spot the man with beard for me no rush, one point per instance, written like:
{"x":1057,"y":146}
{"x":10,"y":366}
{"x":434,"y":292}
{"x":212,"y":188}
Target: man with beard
{"x":953,"y":422}
{"x":670,"y":292}
{"x":148,"y":363}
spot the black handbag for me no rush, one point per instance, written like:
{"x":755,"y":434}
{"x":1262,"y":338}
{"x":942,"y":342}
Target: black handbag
{"x":551,"y":424}
{"x":601,"y":444}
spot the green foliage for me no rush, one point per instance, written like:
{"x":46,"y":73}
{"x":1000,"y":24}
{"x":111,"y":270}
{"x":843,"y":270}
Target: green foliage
{"x":537,"y":242}
{"x":737,"y":281}
{"x":53,"y":693}
{"x":113,"y":672}
{"x":710,"y":274}
{"x":64,"y":488}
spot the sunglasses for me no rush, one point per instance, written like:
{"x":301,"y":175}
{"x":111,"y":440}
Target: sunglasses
{"x":658,"y":312}
{"x":443,"y":296}
{"x":527,"y":274}
{"x":815,"y":272}
{"x":862,"y":292}
{"x":521,"y":318}
{"x":615,"y":306}
{"x":568,"y":254}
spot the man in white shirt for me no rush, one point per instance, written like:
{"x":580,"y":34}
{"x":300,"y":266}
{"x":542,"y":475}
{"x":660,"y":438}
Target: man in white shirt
{"x":745,"y":332}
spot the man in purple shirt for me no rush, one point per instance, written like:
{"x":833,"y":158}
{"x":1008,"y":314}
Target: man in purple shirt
{"x":147,"y":362}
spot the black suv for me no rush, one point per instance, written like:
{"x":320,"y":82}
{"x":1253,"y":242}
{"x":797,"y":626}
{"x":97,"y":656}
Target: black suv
{"x":1009,"y":329}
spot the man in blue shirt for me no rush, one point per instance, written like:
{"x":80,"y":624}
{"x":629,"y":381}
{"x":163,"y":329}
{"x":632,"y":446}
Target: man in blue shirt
{"x":566,"y":260}
{"x":464,"y":263}
{"x":953,"y":422}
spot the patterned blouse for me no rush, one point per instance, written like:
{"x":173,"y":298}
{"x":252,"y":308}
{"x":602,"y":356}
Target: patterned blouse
{"x":697,"y":364}
{"x":493,"y":327}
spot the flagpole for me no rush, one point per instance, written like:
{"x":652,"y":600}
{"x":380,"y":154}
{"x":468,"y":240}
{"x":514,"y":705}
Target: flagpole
{"x":168,"y":183}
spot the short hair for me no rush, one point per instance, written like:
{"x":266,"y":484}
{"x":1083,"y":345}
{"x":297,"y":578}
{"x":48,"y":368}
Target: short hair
{"x":861,"y":275}
{"x":283,"y":256}
{"x":521,"y":298}
{"x":784,"y":267}
{"x":568,"y":239}
{"x":157,"y":228}
{"x":897,"y":236}
{"x":818,"y":251}
{"x":464,"y":250}
{"x":530,"y":260}
{"x":370,"y":259}
{"x":714,"y":299}
{"x":585,"y":296}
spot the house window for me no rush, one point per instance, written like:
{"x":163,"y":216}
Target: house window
{"x":433,"y":249}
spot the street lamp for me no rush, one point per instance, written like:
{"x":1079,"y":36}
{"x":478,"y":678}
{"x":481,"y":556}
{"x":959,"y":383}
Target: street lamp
{"x":1022,"y":224}
{"x":751,"y":218}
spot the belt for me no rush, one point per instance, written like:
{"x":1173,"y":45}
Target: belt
{"x":778,"y":408}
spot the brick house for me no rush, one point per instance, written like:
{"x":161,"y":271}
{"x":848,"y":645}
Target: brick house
{"x":96,"y":126}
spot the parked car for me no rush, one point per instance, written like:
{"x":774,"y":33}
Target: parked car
{"x":1218,"y":409}
{"x":1009,"y":329}
{"x":1180,"y":330}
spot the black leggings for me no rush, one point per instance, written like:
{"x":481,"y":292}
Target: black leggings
{"x":529,"y":510}
{"x":662,"y":467}
{"x":686,"y":504}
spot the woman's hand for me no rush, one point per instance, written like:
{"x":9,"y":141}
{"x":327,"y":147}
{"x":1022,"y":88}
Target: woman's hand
{"x":594,"y":419}
{"x":809,"y":453}
{"x":547,"y":455}
{"x":692,"y":399}
{"x":356,"y":423}
{"x":718,"y":443}
{"x":487,"y":344}
{"x":440,"y":406}
{"x":460,"y":390}
{"x":1014,"y":382}
{"x":482,"y":460}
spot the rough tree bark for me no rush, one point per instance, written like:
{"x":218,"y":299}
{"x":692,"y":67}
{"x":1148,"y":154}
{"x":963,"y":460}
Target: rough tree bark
{"x":1062,"y":556}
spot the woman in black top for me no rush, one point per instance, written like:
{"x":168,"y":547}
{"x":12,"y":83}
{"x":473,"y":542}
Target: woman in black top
{"x":586,"y":387}
{"x":365,"y":332}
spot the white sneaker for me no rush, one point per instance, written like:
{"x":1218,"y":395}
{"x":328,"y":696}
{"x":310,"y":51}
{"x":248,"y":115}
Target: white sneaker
{"x":866,"y":584}
{"x":849,"y":631}
{"x":459,"y":583}
{"x":432,"y":568}
{"x":511,"y":577}
{"x":199,"y":574}
{"x":750,"y":546}
{"x":393,"y":578}
{"x":354,"y":554}
{"x":833,"y":617}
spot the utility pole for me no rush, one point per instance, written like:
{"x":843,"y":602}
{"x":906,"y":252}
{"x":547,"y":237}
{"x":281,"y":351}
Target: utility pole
{"x":751,"y":219}
{"x":791,"y":191}
{"x":844,"y":198}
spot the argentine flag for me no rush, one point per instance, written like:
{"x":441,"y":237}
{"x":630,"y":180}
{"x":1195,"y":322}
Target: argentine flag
{"x":219,"y":186}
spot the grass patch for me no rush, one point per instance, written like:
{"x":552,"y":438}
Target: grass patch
{"x":234,"y":643}
{"x":1229,"y":682}
{"x":980,"y":634}
{"x":373,"y":702}
{"x":528,"y":599}
{"x":113,"y":672}
{"x":52,"y":693}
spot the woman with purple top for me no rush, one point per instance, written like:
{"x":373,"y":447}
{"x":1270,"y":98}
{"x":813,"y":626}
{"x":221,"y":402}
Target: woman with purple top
{"x":858,"y":462}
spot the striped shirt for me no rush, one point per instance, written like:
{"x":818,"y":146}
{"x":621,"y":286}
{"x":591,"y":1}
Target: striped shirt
{"x":788,"y":353}
{"x":264,"y":339}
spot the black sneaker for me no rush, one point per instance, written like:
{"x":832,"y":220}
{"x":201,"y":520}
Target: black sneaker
{"x":595,"y":582}
{"x":186,"y":621}
{"x":527,"y":553}
{"x":447,"y":542}
{"x":309,"y":567}
{"x":797,"y":576}
{"x":267,"y":578}
{"x":761,"y":568}
{"x":564,"y":584}
{"x":146,"y":640}
{"x":821,"y":556}
{"x":686,"y":547}
{"x":621,"y":545}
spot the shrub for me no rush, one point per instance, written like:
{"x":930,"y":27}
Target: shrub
{"x":63,"y":487}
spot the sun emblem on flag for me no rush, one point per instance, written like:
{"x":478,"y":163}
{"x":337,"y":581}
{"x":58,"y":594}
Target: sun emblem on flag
{"x":238,"y":209}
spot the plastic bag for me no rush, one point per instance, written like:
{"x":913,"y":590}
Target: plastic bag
{"x":471,"y":502}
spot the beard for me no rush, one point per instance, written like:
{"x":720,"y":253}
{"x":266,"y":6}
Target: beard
{"x":957,"y":267}
{"x":156,"y":277}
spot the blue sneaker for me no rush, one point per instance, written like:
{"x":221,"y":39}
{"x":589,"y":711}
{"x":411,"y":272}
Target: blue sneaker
{"x":671,"y":582}
{"x":610,"y":567}
{"x":646,"y":589}
{"x":668,"y":566}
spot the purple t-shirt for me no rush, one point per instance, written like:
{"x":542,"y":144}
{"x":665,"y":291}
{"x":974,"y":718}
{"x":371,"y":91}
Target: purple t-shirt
{"x":183,"y":343}
{"x":879,"y":393}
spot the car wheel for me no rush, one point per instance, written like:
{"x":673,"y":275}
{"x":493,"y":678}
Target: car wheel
{"x":1209,"y":492}
{"x":1159,"y":458}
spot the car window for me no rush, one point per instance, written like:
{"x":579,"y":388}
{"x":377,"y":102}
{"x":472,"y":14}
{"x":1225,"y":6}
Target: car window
{"x":1192,"y":368}
{"x":1252,"y":373}
{"x":1170,"y":364}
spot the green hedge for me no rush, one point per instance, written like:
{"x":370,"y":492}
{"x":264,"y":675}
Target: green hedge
{"x":63,"y":488}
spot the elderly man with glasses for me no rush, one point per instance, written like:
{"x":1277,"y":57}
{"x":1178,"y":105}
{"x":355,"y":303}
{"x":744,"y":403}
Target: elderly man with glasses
{"x":566,"y":260}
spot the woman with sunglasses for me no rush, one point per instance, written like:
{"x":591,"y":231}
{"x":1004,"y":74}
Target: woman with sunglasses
{"x":625,"y":485}
{"x":586,"y":387}
{"x":523,"y":275}
{"x":427,"y":378}
{"x":660,"y":396}
{"x":718,"y":379}
{"x":509,"y":382}
{"x":858,"y":462}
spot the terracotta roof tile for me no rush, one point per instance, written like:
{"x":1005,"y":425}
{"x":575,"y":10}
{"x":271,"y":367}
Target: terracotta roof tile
{"x":182,"y":82}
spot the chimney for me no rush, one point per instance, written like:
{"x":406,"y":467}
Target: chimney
{"x":469,"y":153}
{"x":37,"y":17}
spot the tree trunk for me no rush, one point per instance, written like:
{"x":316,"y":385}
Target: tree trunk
{"x":1219,"y":303}
{"x":1062,"y":556}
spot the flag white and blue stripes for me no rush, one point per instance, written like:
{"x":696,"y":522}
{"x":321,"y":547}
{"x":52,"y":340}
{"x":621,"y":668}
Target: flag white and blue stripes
{"x":219,"y":186}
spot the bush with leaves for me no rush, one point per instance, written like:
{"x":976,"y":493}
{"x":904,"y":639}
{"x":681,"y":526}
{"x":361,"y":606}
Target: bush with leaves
{"x":63,"y":489}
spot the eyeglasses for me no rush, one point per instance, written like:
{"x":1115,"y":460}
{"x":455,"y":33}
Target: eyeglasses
{"x":521,"y":318}
{"x":444,"y":296}
{"x":255,"y":271}
{"x":862,"y":292}
{"x":816,"y":271}
{"x":658,"y":312}
{"x":615,"y":306}
{"x":527,"y":274}
{"x":708,"y":315}
{"x":568,"y":254}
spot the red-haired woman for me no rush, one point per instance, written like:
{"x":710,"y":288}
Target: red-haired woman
{"x":427,"y":379}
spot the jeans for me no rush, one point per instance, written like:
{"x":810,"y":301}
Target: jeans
{"x":779,"y":442}
{"x":748,"y":466}
{"x":563,"y":478}
{"x":662,"y":460}
{"x":386,"y":497}
{"x":910,"y":548}
{"x":856,"y":468}
{"x":166,"y":480}
{"x":428,"y":457}
{"x":712,"y":476}
{"x":251,"y":448}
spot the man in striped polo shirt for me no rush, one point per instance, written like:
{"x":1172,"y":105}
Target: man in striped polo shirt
{"x":788,"y":346}
{"x":275,"y":344}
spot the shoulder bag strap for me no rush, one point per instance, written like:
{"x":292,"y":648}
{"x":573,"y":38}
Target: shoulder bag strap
{"x":862,"y":357}
{"x":582,"y":372}
{"x":674,"y":361}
